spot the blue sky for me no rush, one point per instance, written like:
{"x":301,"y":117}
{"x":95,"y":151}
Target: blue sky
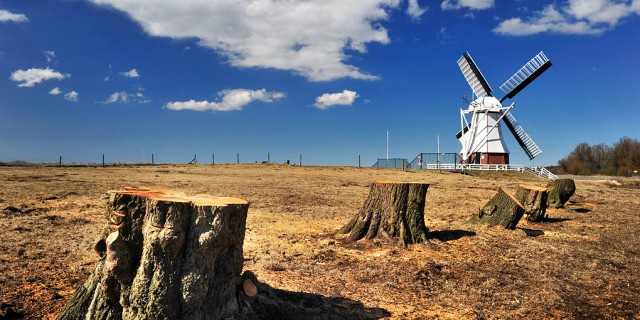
{"x":323,"y":78}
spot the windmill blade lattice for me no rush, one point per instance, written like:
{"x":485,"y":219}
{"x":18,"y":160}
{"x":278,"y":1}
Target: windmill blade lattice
{"x":528,"y":145}
{"x":529,"y":72}
{"x":474,"y":77}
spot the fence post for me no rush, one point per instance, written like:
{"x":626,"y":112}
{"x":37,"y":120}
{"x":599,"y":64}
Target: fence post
{"x":238,"y":158}
{"x":301,"y":159}
{"x":103,"y":159}
{"x":60,"y":162}
{"x":213,"y":158}
{"x":152,"y":160}
{"x":268,"y":157}
{"x":402,"y":164}
{"x":358,"y":161}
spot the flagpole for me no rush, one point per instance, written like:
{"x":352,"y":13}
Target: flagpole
{"x":387,"y":145}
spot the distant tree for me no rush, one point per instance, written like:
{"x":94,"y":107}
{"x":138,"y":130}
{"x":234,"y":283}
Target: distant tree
{"x":625,"y":156}
{"x":579,"y":161}
{"x":620,"y":159}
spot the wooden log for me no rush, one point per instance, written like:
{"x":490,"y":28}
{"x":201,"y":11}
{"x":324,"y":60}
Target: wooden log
{"x":394,"y":210}
{"x":503,"y":210}
{"x":165,"y":255}
{"x":534,"y":201}
{"x":560,"y":190}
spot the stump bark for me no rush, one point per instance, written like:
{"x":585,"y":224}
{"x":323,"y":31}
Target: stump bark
{"x":165,"y":255}
{"x":502,"y":210}
{"x":394,"y":210}
{"x":560,"y":190}
{"x":534,"y":201}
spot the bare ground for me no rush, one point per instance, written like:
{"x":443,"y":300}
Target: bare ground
{"x":582,"y":263}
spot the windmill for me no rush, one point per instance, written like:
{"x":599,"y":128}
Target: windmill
{"x":481,"y":137}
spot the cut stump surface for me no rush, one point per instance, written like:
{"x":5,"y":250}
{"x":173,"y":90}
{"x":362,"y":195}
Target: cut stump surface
{"x":534,"y":201}
{"x":560,"y":190}
{"x":165,"y":255}
{"x":502,"y":210}
{"x":394,"y":210}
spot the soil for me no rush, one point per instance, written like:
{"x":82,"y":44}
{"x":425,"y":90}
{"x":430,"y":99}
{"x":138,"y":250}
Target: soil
{"x":582,"y":262}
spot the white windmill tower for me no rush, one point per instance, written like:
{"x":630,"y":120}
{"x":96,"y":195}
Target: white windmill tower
{"x":481,"y":136}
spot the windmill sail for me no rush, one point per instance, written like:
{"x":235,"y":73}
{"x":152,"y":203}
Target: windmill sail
{"x":529,"y":72}
{"x":527,"y":144}
{"x":473,"y":76}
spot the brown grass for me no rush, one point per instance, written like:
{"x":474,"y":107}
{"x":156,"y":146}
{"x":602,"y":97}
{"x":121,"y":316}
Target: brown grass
{"x":583,"y":262}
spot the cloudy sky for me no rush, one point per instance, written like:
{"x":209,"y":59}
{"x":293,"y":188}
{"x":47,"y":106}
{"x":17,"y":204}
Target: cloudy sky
{"x":322,"y":78}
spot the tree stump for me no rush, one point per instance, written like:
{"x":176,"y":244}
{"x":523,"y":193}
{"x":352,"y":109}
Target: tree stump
{"x":534,"y":201}
{"x":394,"y":210}
{"x":560,"y":190}
{"x":165,"y":255}
{"x":503,"y":210}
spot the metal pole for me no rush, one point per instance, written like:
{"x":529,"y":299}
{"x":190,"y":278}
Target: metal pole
{"x":213,"y":158}
{"x":60,"y":163}
{"x":238,"y":158}
{"x":103,"y":159}
{"x":268,"y":157}
{"x":358,"y":161}
{"x":402,"y":164}
{"x":152,"y":160}
{"x":438,"y":138}
{"x":387,"y":146}
{"x":301,"y":159}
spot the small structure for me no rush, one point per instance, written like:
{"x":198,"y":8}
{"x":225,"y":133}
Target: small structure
{"x":400,"y":163}
{"x":481,"y":136}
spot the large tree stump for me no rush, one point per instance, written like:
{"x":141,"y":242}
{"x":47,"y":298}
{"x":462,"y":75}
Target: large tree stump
{"x":534,"y":201}
{"x":165,"y":255}
{"x":394,"y":210}
{"x":560,"y":190}
{"x":502,"y":210}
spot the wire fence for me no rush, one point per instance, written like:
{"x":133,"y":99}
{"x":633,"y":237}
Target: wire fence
{"x":107,"y":159}
{"x":421,"y":161}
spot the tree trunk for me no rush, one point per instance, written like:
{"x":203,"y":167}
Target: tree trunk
{"x":503,"y":210}
{"x":394,"y":210}
{"x":560,"y":190}
{"x":165,"y":255}
{"x":534,"y":201}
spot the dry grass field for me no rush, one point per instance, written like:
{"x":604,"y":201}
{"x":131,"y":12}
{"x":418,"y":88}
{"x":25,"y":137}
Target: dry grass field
{"x":582,"y":263}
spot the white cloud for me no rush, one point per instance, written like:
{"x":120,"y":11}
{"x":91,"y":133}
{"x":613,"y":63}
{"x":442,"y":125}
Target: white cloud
{"x":33,"y":76}
{"x":346,"y":98}
{"x":414,"y":10}
{"x":133,"y":73}
{"x":470,"y":4}
{"x":231,"y":100}
{"x":125,"y":97}
{"x":311,"y":38}
{"x":50,"y":55}
{"x":117,"y":96}
{"x":71,"y":96}
{"x":55,"y":91}
{"x":6,"y":16}
{"x":574,"y":17}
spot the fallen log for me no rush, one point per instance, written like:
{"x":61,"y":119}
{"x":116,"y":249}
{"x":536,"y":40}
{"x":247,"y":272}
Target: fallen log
{"x":165,"y":255}
{"x":560,"y":190}
{"x":503,"y":210}
{"x":394,"y":210}
{"x":534,"y":201}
